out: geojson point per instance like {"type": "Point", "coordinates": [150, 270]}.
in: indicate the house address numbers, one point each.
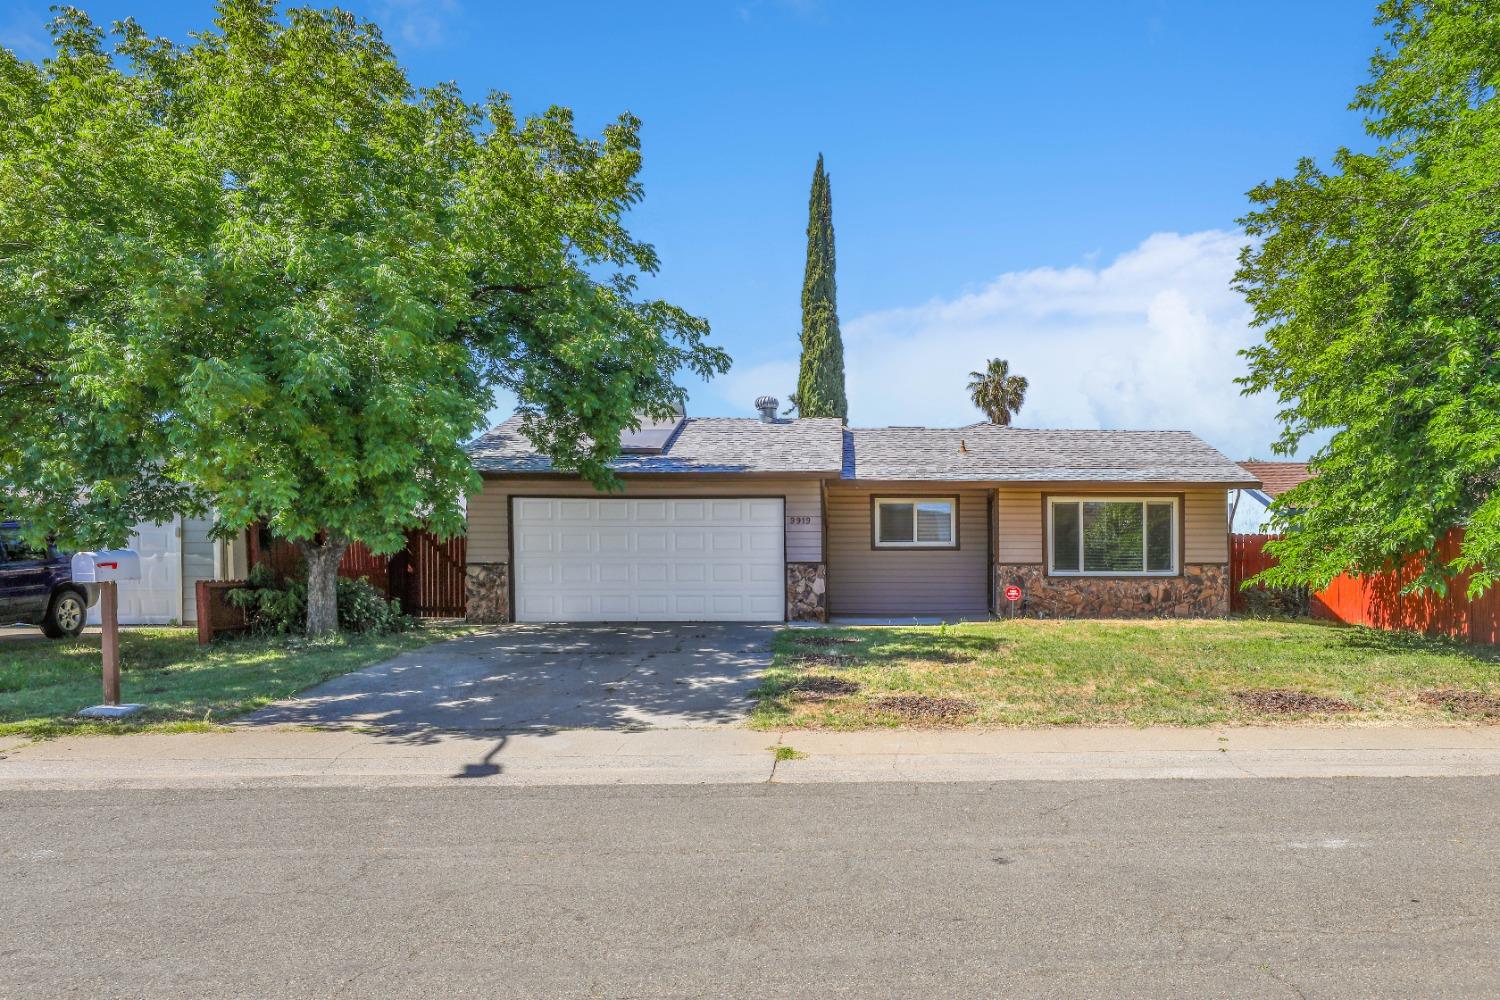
{"type": "Point", "coordinates": [799, 519]}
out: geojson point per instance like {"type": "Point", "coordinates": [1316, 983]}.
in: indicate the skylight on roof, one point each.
{"type": "Point", "coordinates": [653, 436]}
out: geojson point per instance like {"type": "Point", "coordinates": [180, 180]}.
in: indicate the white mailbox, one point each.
{"type": "Point", "coordinates": [106, 566]}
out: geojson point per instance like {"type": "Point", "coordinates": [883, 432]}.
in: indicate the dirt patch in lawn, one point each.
{"type": "Point", "coordinates": [823, 660]}
{"type": "Point", "coordinates": [815, 687]}
{"type": "Point", "coordinates": [1474, 703]}
{"type": "Point", "coordinates": [821, 640]}
{"type": "Point", "coordinates": [1279, 702]}
{"type": "Point", "coordinates": [924, 709]}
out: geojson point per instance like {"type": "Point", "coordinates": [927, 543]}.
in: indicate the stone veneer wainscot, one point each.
{"type": "Point", "coordinates": [806, 592]}
{"type": "Point", "coordinates": [1202, 591]}
{"type": "Point", "coordinates": [487, 593]}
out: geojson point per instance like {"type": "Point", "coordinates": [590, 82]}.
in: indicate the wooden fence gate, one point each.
{"type": "Point", "coordinates": [427, 577]}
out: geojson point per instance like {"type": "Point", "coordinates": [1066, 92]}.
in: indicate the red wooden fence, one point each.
{"type": "Point", "coordinates": [427, 577]}
{"type": "Point", "coordinates": [1247, 557]}
{"type": "Point", "coordinates": [1377, 600]}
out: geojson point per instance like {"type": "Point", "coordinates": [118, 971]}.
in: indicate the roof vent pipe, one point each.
{"type": "Point", "coordinates": [767, 405]}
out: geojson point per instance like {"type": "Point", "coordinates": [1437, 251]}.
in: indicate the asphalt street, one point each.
{"type": "Point", "coordinates": [1252, 888]}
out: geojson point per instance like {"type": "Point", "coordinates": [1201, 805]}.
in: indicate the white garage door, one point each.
{"type": "Point", "coordinates": [718, 559]}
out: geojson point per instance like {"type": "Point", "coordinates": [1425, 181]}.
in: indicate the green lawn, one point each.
{"type": "Point", "coordinates": [1190, 673]}
{"type": "Point", "coordinates": [43, 682]}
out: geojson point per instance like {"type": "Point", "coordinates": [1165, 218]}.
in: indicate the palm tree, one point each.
{"type": "Point", "coordinates": [997, 392]}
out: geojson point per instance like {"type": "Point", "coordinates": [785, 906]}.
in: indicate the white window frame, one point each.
{"type": "Point", "coordinates": [951, 543]}
{"type": "Point", "coordinates": [1054, 502]}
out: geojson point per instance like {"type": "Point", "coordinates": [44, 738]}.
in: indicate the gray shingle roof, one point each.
{"type": "Point", "coordinates": [1024, 454]}
{"type": "Point", "coordinates": [894, 454]}
{"type": "Point", "coordinates": [705, 444]}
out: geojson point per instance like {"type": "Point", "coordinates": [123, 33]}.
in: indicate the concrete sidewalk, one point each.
{"type": "Point", "coordinates": [730, 755]}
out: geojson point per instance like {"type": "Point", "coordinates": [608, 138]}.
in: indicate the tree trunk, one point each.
{"type": "Point", "coordinates": [322, 557]}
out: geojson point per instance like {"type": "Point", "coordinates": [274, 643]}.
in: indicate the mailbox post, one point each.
{"type": "Point", "coordinates": [106, 569]}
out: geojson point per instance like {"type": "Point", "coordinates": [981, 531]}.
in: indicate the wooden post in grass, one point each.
{"type": "Point", "coordinates": [109, 639]}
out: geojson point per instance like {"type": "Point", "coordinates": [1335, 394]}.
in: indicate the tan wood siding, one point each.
{"type": "Point", "coordinates": [489, 510]}
{"type": "Point", "coordinates": [1018, 515]}
{"type": "Point", "coordinates": [863, 580]}
{"type": "Point", "coordinates": [1018, 520]}
{"type": "Point", "coordinates": [1206, 526]}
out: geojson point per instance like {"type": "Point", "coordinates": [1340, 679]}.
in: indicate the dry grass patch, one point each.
{"type": "Point", "coordinates": [824, 660]}
{"type": "Point", "coordinates": [823, 685]}
{"type": "Point", "coordinates": [923, 709]}
{"type": "Point", "coordinates": [821, 640]}
{"type": "Point", "coordinates": [1474, 703]}
{"type": "Point", "coordinates": [1277, 702]}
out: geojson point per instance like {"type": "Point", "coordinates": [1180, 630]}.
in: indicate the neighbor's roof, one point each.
{"type": "Point", "coordinates": [705, 444]}
{"type": "Point", "coordinates": [1277, 477]}
{"type": "Point", "coordinates": [982, 452]}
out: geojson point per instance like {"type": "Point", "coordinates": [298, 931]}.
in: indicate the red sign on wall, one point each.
{"type": "Point", "coordinates": [1012, 593]}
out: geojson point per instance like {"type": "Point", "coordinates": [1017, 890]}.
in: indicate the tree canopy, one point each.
{"type": "Point", "coordinates": [820, 381]}
{"type": "Point", "coordinates": [997, 392]}
{"type": "Point", "coordinates": [1378, 284]}
{"type": "Point", "coordinates": [260, 272]}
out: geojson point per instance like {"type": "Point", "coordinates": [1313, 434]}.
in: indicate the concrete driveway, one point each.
{"type": "Point", "coordinates": [546, 677]}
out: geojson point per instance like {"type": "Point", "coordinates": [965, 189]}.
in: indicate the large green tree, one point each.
{"type": "Point", "coordinates": [261, 273]}
{"type": "Point", "coordinates": [1378, 284]}
{"type": "Point", "coordinates": [820, 381]}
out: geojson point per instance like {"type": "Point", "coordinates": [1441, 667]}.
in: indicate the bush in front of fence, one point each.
{"type": "Point", "coordinates": [1276, 602]}
{"type": "Point", "coordinates": [278, 606]}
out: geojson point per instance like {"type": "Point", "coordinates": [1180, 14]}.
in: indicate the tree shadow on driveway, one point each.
{"type": "Point", "coordinates": [544, 678]}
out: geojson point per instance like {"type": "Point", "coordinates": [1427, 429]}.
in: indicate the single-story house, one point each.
{"type": "Point", "coordinates": [1249, 507]}
{"type": "Point", "coordinates": [765, 519]}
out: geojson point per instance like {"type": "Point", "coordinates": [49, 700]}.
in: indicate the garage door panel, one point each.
{"type": "Point", "coordinates": [688, 511]}
{"type": "Point", "coordinates": [689, 540]}
{"type": "Point", "coordinates": [726, 541]}
{"type": "Point", "coordinates": [614, 540]}
{"type": "Point", "coordinates": [614, 605]}
{"type": "Point", "coordinates": [646, 510]}
{"type": "Point", "coordinates": [643, 560]}
{"type": "Point", "coordinates": [534, 541]}
{"type": "Point", "coordinates": [533, 511]}
{"type": "Point", "coordinates": [574, 573]}
{"type": "Point", "coordinates": [764, 512]}
{"type": "Point", "coordinates": [693, 572]}
{"type": "Point", "coordinates": [533, 573]}
{"type": "Point", "coordinates": [765, 573]}
{"type": "Point", "coordinates": [614, 512]}
{"type": "Point", "coordinates": [614, 572]}
{"type": "Point", "coordinates": [576, 510]}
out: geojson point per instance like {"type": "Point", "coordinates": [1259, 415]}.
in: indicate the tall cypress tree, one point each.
{"type": "Point", "coordinates": [820, 383]}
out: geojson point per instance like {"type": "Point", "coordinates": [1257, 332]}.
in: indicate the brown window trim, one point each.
{"type": "Point", "coordinates": [1182, 563]}
{"type": "Point", "coordinates": [875, 545]}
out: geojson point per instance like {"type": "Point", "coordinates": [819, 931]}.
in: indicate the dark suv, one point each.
{"type": "Point", "coordinates": [36, 586]}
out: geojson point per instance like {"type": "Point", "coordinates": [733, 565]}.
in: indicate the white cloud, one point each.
{"type": "Point", "coordinates": [418, 23]}
{"type": "Point", "coordinates": [1146, 341]}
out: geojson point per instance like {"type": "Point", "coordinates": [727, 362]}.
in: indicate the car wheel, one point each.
{"type": "Point", "coordinates": [65, 616]}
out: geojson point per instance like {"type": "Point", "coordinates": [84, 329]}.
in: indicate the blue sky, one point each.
{"type": "Point", "coordinates": [1056, 184]}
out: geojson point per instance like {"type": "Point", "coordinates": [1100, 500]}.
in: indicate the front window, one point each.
{"type": "Point", "coordinates": [916, 523]}
{"type": "Point", "coordinates": [1113, 537]}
